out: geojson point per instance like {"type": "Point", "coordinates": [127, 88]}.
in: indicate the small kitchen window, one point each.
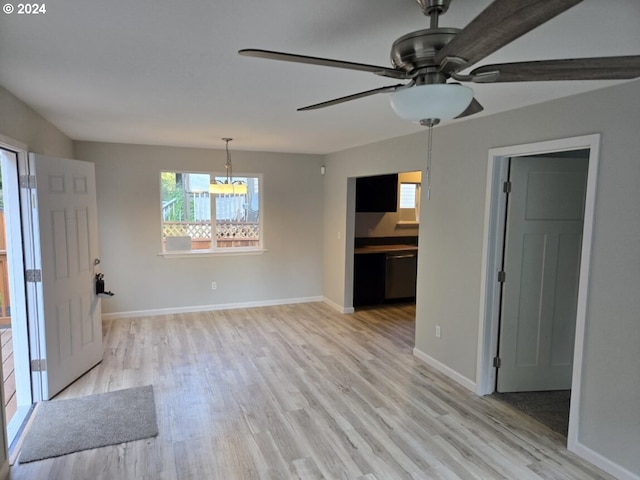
{"type": "Point", "coordinates": [195, 221]}
{"type": "Point", "coordinates": [409, 203]}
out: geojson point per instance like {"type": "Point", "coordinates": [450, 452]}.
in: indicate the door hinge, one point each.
{"type": "Point", "coordinates": [33, 276]}
{"type": "Point", "coordinates": [502, 276]}
{"type": "Point", "coordinates": [27, 181]}
{"type": "Point", "coordinates": [497, 362]}
{"type": "Point", "coordinates": [38, 365]}
{"type": "Point", "coordinates": [506, 187]}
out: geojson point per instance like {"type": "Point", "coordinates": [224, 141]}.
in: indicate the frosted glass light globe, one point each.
{"type": "Point", "coordinates": [432, 101]}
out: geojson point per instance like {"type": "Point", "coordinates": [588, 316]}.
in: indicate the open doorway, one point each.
{"type": "Point", "coordinates": [494, 245]}
{"type": "Point", "coordinates": [14, 329]}
{"type": "Point", "coordinates": [385, 239]}
{"type": "Point", "coordinates": [539, 283]}
{"type": "Point", "coordinates": [53, 261]}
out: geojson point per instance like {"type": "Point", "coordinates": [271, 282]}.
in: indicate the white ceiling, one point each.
{"type": "Point", "coordinates": [167, 72]}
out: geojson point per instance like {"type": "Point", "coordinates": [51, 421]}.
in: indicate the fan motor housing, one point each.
{"type": "Point", "coordinates": [418, 49]}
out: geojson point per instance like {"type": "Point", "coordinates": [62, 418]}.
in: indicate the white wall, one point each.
{"type": "Point", "coordinates": [128, 179]}
{"type": "Point", "coordinates": [449, 271]}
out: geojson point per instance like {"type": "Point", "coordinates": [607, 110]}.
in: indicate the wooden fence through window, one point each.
{"type": "Point", "coordinates": [5, 308]}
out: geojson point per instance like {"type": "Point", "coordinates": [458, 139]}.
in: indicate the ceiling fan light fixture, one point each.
{"type": "Point", "coordinates": [431, 102]}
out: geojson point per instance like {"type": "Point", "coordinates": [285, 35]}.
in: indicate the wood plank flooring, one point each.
{"type": "Point", "coordinates": [302, 392]}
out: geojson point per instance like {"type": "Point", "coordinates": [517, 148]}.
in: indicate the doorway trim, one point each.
{"type": "Point", "coordinates": [493, 239]}
{"type": "Point", "coordinates": [20, 329]}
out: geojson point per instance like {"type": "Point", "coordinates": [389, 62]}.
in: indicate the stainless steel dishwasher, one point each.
{"type": "Point", "coordinates": [400, 275]}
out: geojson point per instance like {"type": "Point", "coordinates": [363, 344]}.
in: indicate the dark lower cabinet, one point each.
{"type": "Point", "coordinates": [368, 279]}
{"type": "Point", "coordinates": [384, 277]}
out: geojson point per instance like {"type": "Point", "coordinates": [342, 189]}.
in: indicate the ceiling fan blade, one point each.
{"type": "Point", "coordinates": [324, 62]}
{"type": "Point", "coordinates": [596, 68]}
{"type": "Point", "coordinates": [355, 96]}
{"type": "Point", "coordinates": [499, 24]}
{"type": "Point", "coordinates": [473, 108]}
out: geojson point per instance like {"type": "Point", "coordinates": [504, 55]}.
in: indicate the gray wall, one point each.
{"type": "Point", "coordinates": [339, 204]}
{"type": "Point", "coordinates": [19, 122]}
{"type": "Point", "coordinates": [128, 179]}
{"type": "Point", "coordinates": [449, 271]}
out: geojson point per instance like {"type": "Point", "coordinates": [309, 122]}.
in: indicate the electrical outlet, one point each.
{"type": "Point", "coordinates": [214, 285]}
{"type": "Point", "coordinates": [438, 331]}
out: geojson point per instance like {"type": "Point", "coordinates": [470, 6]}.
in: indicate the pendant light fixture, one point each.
{"type": "Point", "coordinates": [229, 186]}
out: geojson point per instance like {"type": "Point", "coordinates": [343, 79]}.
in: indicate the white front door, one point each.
{"type": "Point", "coordinates": [542, 262]}
{"type": "Point", "coordinates": [64, 233]}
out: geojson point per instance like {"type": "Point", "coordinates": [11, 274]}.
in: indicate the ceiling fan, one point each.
{"type": "Point", "coordinates": [429, 58]}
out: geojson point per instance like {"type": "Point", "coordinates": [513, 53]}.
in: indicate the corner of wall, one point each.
{"type": "Point", "coordinates": [337, 307]}
{"type": "Point", "coordinates": [442, 368]}
{"type": "Point", "coordinates": [601, 461]}
{"type": "Point", "coordinates": [5, 470]}
{"type": "Point", "coordinates": [20, 122]}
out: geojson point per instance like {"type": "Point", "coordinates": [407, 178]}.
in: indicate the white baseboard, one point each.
{"type": "Point", "coordinates": [442, 368]}
{"type": "Point", "coordinates": [337, 307]}
{"type": "Point", "coordinates": [208, 308]}
{"type": "Point", "coordinates": [602, 462]}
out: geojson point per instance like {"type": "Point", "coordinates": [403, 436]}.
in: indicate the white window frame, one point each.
{"type": "Point", "coordinates": [216, 251]}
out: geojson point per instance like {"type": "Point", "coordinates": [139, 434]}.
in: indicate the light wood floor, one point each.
{"type": "Point", "coordinates": [302, 392]}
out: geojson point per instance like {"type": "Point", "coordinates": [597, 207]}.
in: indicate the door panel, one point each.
{"type": "Point", "coordinates": [542, 259]}
{"type": "Point", "coordinates": [65, 227]}
{"type": "Point", "coordinates": [569, 249]}
{"type": "Point", "coordinates": [533, 251]}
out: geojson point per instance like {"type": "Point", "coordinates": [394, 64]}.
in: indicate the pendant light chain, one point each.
{"type": "Point", "coordinates": [229, 186]}
{"type": "Point", "coordinates": [227, 165]}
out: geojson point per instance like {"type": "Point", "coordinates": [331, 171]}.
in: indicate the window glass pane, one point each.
{"type": "Point", "coordinates": [195, 219]}
{"type": "Point", "coordinates": [408, 195]}
{"type": "Point", "coordinates": [238, 214]}
{"type": "Point", "coordinates": [186, 211]}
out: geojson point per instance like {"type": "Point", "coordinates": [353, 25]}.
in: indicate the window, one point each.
{"type": "Point", "coordinates": [408, 195]}
{"type": "Point", "coordinates": [194, 220]}
{"type": "Point", "coordinates": [409, 202]}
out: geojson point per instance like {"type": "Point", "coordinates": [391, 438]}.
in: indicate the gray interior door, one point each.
{"type": "Point", "coordinates": [542, 260]}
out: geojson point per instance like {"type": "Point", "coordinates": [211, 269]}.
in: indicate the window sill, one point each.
{"type": "Point", "coordinates": [407, 224]}
{"type": "Point", "coordinates": [213, 253]}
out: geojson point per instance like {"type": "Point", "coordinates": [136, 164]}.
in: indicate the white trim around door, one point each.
{"type": "Point", "coordinates": [495, 210]}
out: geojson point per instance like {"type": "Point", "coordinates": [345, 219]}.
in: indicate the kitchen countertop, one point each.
{"type": "Point", "coordinates": [385, 249]}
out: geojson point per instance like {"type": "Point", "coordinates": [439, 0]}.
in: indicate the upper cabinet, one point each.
{"type": "Point", "coordinates": [377, 194]}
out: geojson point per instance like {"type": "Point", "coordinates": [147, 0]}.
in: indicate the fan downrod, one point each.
{"type": "Point", "coordinates": [433, 9]}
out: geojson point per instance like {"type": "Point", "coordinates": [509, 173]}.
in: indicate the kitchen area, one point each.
{"type": "Point", "coordinates": [386, 238]}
